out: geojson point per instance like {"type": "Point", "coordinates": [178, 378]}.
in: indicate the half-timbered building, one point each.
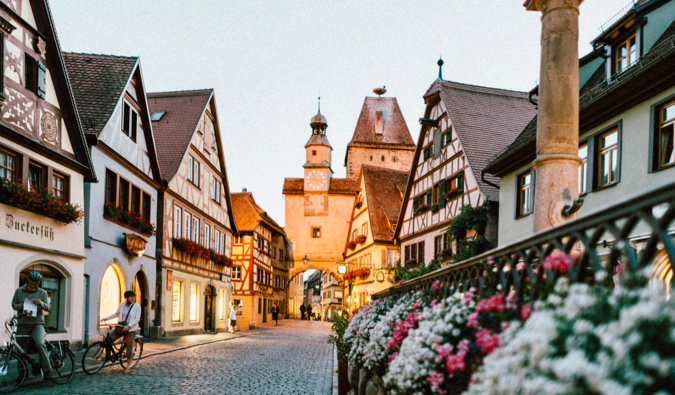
{"type": "Point", "coordinates": [462, 128]}
{"type": "Point", "coordinates": [43, 157]}
{"type": "Point", "coordinates": [260, 268]}
{"type": "Point", "coordinates": [195, 211]}
{"type": "Point", "coordinates": [371, 250]}
{"type": "Point", "coordinates": [122, 210]}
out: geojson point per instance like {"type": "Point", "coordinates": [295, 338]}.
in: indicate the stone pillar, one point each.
{"type": "Point", "coordinates": [557, 163]}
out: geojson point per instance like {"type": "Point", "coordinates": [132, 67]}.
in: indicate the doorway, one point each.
{"type": "Point", "coordinates": [208, 308]}
{"type": "Point", "coordinates": [139, 286]}
{"type": "Point", "coordinates": [264, 310]}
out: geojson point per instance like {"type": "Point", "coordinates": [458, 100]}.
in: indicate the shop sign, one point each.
{"type": "Point", "coordinates": [134, 244]}
{"type": "Point", "coordinates": [18, 226]}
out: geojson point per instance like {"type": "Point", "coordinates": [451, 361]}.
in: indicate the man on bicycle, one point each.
{"type": "Point", "coordinates": [30, 301]}
{"type": "Point", "coordinates": [129, 315]}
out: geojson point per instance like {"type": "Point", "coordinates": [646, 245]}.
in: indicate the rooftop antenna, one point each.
{"type": "Point", "coordinates": [440, 68]}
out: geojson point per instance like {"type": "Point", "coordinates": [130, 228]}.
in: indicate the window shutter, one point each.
{"type": "Point", "coordinates": [460, 183]}
{"type": "Point", "coordinates": [416, 203]}
{"type": "Point", "coordinates": [532, 184]}
{"type": "Point", "coordinates": [618, 153]}
{"type": "Point", "coordinates": [441, 189]}
{"type": "Point", "coordinates": [41, 79]}
{"type": "Point", "coordinates": [437, 143]}
{"type": "Point", "coordinates": [134, 125]}
{"type": "Point", "coordinates": [428, 198]}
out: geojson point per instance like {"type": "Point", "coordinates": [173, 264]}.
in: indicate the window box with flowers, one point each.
{"type": "Point", "coordinates": [361, 239]}
{"type": "Point", "coordinates": [194, 250]}
{"type": "Point", "coordinates": [411, 262]}
{"type": "Point", "coordinates": [437, 206]}
{"type": "Point", "coordinates": [128, 218]}
{"type": "Point", "coordinates": [39, 201]}
{"type": "Point", "coordinates": [351, 245]}
{"type": "Point", "coordinates": [421, 209]}
{"type": "Point", "coordinates": [352, 275]}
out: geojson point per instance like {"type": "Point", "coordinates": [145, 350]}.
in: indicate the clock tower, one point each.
{"type": "Point", "coordinates": [318, 172]}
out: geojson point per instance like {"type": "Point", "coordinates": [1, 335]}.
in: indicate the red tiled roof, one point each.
{"type": "Point", "coordinates": [247, 213]}
{"type": "Point", "coordinates": [174, 130]}
{"type": "Point", "coordinates": [338, 186]}
{"type": "Point", "coordinates": [486, 120]}
{"type": "Point", "coordinates": [318, 139]}
{"type": "Point", "coordinates": [395, 134]}
{"type": "Point", "coordinates": [383, 191]}
{"type": "Point", "coordinates": [97, 82]}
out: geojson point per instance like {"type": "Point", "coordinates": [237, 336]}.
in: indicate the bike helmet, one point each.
{"type": "Point", "coordinates": [35, 276]}
{"type": "Point", "coordinates": [129, 293]}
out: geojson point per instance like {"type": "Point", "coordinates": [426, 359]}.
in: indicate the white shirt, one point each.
{"type": "Point", "coordinates": [233, 313]}
{"type": "Point", "coordinates": [130, 314]}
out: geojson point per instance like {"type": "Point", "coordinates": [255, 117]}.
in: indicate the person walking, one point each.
{"type": "Point", "coordinates": [275, 314]}
{"type": "Point", "coordinates": [129, 315]}
{"type": "Point", "coordinates": [303, 309]}
{"type": "Point", "coordinates": [30, 302]}
{"type": "Point", "coordinates": [309, 311]}
{"type": "Point", "coordinates": [233, 317]}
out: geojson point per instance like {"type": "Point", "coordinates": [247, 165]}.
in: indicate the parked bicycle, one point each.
{"type": "Point", "coordinates": [14, 360]}
{"type": "Point", "coordinates": [105, 350]}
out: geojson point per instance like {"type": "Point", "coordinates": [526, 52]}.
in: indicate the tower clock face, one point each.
{"type": "Point", "coordinates": [315, 179]}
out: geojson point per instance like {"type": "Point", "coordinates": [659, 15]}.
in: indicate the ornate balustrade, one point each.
{"type": "Point", "coordinates": [608, 233]}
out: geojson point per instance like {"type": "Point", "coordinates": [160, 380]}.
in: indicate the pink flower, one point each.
{"type": "Point", "coordinates": [490, 261]}
{"type": "Point", "coordinates": [436, 380]}
{"type": "Point", "coordinates": [436, 285]}
{"type": "Point", "coordinates": [454, 362]}
{"type": "Point", "coordinates": [620, 267]}
{"type": "Point", "coordinates": [463, 347]}
{"type": "Point", "coordinates": [525, 311]}
{"type": "Point", "coordinates": [473, 320]}
{"type": "Point", "coordinates": [468, 296]}
{"type": "Point", "coordinates": [520, 266]}
{"type": "Point", "coordinates": [442, 352]}
{"type": "Point", "coordinates": [391, 359]}
{"type": "Point", "coordinates": [487, 341]}
{"type": "Point", "coordinates": [416, 305]}
{"type": "Point", "coordinates": [558, 261]}
{"type": "Point", "coordinates": [391, 280]}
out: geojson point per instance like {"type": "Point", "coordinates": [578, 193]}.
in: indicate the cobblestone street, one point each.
{"type": "Point", "coordinates": [292, 358]}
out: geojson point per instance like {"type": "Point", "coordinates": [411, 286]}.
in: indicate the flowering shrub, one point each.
{"type": "Point", "coordinates": [194, 250]}
{"type": "Point", "coordinates": [360, 328]}
{"type": "Point", "coordinates": [39, 201]}
{"type": "Point", "coordinates": [129, 218]}
{"type": "Point", "coordinates": [588, 339]}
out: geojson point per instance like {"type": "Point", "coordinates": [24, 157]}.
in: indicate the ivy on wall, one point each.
{"type": "Point", "coordinates": [470, 219]}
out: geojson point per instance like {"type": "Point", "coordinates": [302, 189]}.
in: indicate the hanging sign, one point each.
{"type": "Point", "coordinates": [134, 244]}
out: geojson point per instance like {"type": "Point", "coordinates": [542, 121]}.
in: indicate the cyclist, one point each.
{"type": "Point", "coordinates": [128, 314]}
{"type": "Point", "coordinates": [31, 301]}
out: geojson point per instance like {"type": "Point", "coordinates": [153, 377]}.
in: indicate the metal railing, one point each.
{"type": "Point", "coordinates": [618, 16]}
{"type": "Point", "coordinates": [607, 234]}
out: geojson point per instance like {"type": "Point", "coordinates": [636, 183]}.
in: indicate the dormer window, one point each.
{"type": "Point", "coordinates": [625, 54]}
{"type": "Point", "coordinates": [157, 116]}
{"type": "Point", "coordinates": [129, 121]}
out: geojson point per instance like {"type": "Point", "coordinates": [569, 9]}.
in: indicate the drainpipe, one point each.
{"type": "Point", "coordinates": [482, 177]}
{"type": "Point", "coordinates": [159, 252]}
{"type": "Point", "coordinates": [557, 163]}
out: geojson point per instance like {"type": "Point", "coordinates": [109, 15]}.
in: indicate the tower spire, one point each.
{"type": "Point", "coordinates": [440, 68]}
{"type": "Point", "coordinates": [319, 104]}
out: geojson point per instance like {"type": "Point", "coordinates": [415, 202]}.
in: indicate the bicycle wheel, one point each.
{"type": "Point", "coordinates": [138, 351]}
{"type": "Point", "coordinates": [63, 365]}
{"type": "Point", "coordinates": [13, 372]}
{"type": "Point", "coordinates": [94, 358]}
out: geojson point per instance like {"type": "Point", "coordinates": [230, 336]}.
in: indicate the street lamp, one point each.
{"type": "Point", "coordinates": [305, 260]}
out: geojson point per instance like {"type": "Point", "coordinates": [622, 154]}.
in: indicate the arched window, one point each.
{"type": "Point", "coordinates": [111, 291]}
{"type": "Point", "coordinates": [53, 282]}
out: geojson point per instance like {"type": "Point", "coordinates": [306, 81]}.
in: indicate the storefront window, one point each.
{"type": "Point", "coordinates": [111, 292]}
{"type": "Point", "coordinates": [221, 305]}
{"type": "Point", "coordinates": [177, 300]}
{"type": "Point", "coordinates": [53, 283]}
{"type": "Point", "coordinates": [194, 301]}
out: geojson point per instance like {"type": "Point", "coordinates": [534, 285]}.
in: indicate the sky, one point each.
{"type": "Point", "coordinates": [268, 61]}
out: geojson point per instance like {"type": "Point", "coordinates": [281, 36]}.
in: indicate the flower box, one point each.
{"type": "Point", "coordinates": [127, 218]}
{"type": "Point", "coordinates": [421, 209]}
{"type": "Point", "coordinates": [411, 262]}
{"type": "Point", "coordinates": [361, 239]}
{"type": "Point", "coordinates": [437, 206]}
{"type": "Point", "coordinates": [39, 201]}
{"type": "Point", "coordinates": [351, 245]}
{"type": "Point", "coordinates": [194, 250]}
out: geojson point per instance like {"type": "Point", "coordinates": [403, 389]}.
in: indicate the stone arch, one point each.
{"type": "Point", "coordinates": [330, 268]}
{"type": "Point", "coordinates": [60, 290]}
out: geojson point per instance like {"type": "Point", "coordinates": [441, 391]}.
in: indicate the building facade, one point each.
{"type": "Point", "coordinates": [331, 297]}
{"type": "Point", "coordinates": [371, 250]}
{"type": "Point", "coordinates": [462, 128]}
{"type": "Point", "coordinates": [43, 155]}
{"type": "Point", "coordinates": [119, 238]}
{"type": "Point", "coordinates": [260, 267]}
{"type": "Point", "coordinates": [194, 265]}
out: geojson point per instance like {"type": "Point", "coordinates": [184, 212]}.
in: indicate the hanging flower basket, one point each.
{"type": "Point", "coordinates": [39, 201]}
{"type": "Point", "coordinates": [361, 239]}
{"type": "Point", "coordinates": [128, 218]}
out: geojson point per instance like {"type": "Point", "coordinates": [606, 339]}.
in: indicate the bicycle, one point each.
{"type": "Point", "coordinates": [104, 350]}
{"type": "Point", "coordinates": [14, 360]}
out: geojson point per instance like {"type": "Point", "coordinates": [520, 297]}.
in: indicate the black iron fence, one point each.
{"type": "Point", "coordinates": [602, 241]}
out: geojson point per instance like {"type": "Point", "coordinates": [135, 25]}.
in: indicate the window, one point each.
{"type": "Point", "coordinates": [665, 139]}
{"type": "Point", "coordinates": [110, 300]}
{"type": "Point", "coordinates": [123, 198]}
{"type": "Point", "coordinates": [129, 121]}
{"type": "Point", "coordinates": [354, 234]}
{"type": "Point", "coordinates": [238, 240]}
{"type": "Point", "coordinates": [59, 186]}
{"type": "Point", "coordinates": [177, 301]}
{"type": "Point", "coordinates": [216, 241]}
{"type": "Point", "coordinates": [207, 236]}
{"type": "Point", "coordinates": [420, 253]}
{"type": "Point", "coordinates": [147, 205]}
{"type": "Point", "coordinates": [194, 301]}
{"type": "Point", "coordinates": [179, 223]}
{"type": "Point", "coordinates": [455, 186]}
{"type": "Point", "coordinates": [35, 76]}
{"type": "Point", "coordinates": [625, 54]}
{"type": "Point", "coordinates": [316, 232]}
{"type": "Point", "coordinates": [583, 168]}
{"type": "Point", "coordinates": [222, 243]}
{"type": "Point", "coordinates": [364, 229]}
{"type": "Point", "coordinates": [157, 115]}
{"type": "Point", "coordinates": [446, 241]}
{"type": "Point", "coordinates": [608, 158]}
{"type": "Point", "coordinates": [434, 194]}
{"type": "Point", "coordinates": [188, 225]}
{"type": "Point", "coordinates": [438, 246]}
{"type": "Point", "coordinates": [135, 199]}
{"type": "Point", "coordinates": [193, 170]}
{"type": "Point", "coordinates": [392, 257]}
{"type": "Point", "coordinates": [524, 200]}
{"type": "Point", "coordinates": [413, 252]}
{"type": "Point", "coordinates": [215, 190]}
{"type": "Point", "coordinates": [314, 152]}
{"type": "Point", "coordinates": [221, 305]}
{"type": "Point", "coordinates": [447, 136]}
{"type": "Point", "coordinates": [8, 165]}
{"type": "Point", "coordinates": [35, 176]}
{"type": "Point", "coordinates": [195, 230]}
{"type": "Point", "coordinates": [54, 283]}
{"type": "Point", "coordinates": [236, 272]}
{"type": "Point", "coordinates": [274, 252]}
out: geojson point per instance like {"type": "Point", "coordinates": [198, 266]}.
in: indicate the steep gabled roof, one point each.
{"type": "Point", "coordinates": [395, 133]}
{"type": "Point", "coordinates": [173, 132]}
{"type": "Point", "coordinates": [383, 191]}
{"type": "Point", "coordinates": [98, 81]}
{"type": "Point", "coordinates": [247, 213]}
{"type": "Point", "coordinates": [486, 121]}
{"type": "Point", "coordinates": [339, 186]}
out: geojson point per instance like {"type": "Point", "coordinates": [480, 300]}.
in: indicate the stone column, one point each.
{"type": "Point", "coordinates": [557, 162]}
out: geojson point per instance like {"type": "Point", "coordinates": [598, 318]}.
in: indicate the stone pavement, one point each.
{"type": "Point", "coordinates": [292, 358]}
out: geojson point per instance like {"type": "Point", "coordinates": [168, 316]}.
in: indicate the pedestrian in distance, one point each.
{"type": "Point", "coordinates": [309, 311]}
{"type": "Point", "coordinates": [275, 314]}
{"type": "Point", "coordinates": [31, 301]}
{"type": "Point", "coordinates": [303, 309]}
{"type": "Point", "coordinates": [129, 315]}
{"type": "Point", "coordinates": [233, 317]}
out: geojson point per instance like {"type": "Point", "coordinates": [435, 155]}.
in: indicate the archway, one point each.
{"type": "Point", "coordinates": [323, 291]}
{"type": "Point", "coordinates": [112, 291]}
{"type": "Point", "coordinates": [140, 286]}
{"type": "Point", "coordinates": [209, 295]}
{"type": "Point", "coordinates": [53, 281]}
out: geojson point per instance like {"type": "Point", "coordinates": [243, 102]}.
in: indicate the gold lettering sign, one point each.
{"type": "Point", "coordinates": [135, 245]}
